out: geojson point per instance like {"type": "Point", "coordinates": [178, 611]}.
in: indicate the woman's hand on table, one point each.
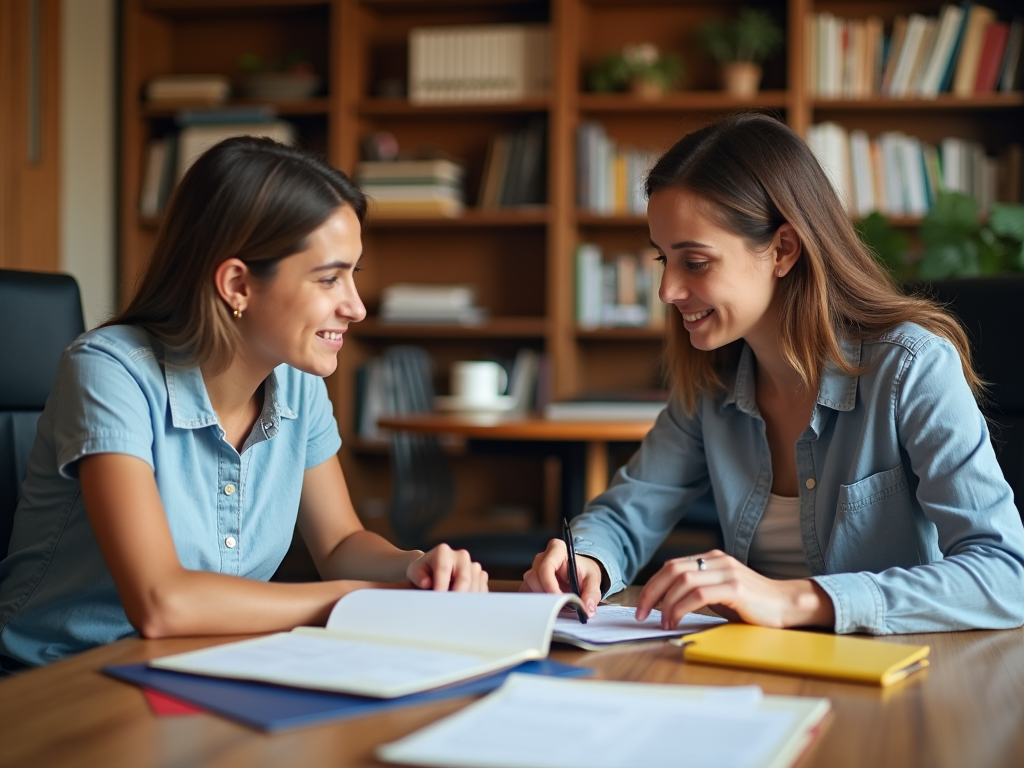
{"type": "Point", "coordinates": [444, 569]}
{"type": "Point", "coordinates": [550, 573]}
{"type": "Point", "coordinates": [734, 591]}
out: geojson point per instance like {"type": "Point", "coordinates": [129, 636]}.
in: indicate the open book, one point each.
{"type": "Point", "coordinates": [388, 643]}
{"type": "Point", "coordinates": [550, 723]}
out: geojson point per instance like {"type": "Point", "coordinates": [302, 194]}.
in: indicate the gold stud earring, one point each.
{"type": "Point", "coordinates": [238, 314]}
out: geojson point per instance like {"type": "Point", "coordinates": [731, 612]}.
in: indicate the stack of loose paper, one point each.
{"type": "Point", "coordinates": [542, 723]}
{"type": "Point", "coordinates": [617, 624]}
{"type": "Point", "coordinates": [442, 304]}
{"type": "Point", "coordinates": [413, 188]}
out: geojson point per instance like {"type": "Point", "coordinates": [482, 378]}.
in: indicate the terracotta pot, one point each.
{"type": "Point", "coordinates": [741, 78]}
{"type": "Point", "coordinates": [646, 89]}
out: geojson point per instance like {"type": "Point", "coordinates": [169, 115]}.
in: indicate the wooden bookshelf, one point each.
{"type": "Point", "coordinates": [521, 261]}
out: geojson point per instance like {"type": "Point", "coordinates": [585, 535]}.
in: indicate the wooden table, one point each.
{"type": "Point", "coordinates": [593, 435]}
{"type": "Point", "coordinates": [966, 710]}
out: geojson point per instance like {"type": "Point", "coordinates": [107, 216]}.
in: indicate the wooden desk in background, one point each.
{"type": "Point", "coordinates": [965, 710]}
{"type": "Point", "coordinates": [593, 435]}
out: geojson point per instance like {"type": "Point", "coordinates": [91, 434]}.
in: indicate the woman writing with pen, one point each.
{"type": "Point", "coordinates": [834, 418]}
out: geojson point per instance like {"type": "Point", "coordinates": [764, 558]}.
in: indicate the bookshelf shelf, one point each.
{"type": "Point", "coordinates": [472, 218]}
{"type": "Point", "coordinates": [626, 221]}
{"type": "Point", "coordinates": [294, 108]}
{"type": "Point", "coordinates": [402, 108]}
{"type": "Point", "coordinates": [620, 334]}
{"type": "Point", "coordinates": [170, 6]}
{"type": "Point", "coordinates": [944, 102]}
{"type": "Point", "coordinates": [495, 328]}
{"type": "Point", "coordinates": [684, 101]}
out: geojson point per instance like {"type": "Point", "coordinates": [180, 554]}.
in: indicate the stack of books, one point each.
{"type": "Point", "coordinates": [610, 178]}
{"type": "Point", "coordinates": [515, 171]}
{"type": "Point", "coordinates": [413, 188]}
{"type": "Point", "coordinates": [187, 90]}
{"type": "Point", "coordinates": [169, 156]}
{"type": "Point", "coordinates": [619, 405]}
{"type": "Point", "coordinates": [900, 175]}
{"type": "Point", "coordinates": [964, 50]}
{"type": "Point", "coordinates": [621, 292]}
{"type": "Point", "coordinates": [435, 304]}
{"type": "Point", "coordinates": [492, 62]}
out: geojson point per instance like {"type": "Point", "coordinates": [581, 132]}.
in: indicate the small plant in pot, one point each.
{"type": "Point", "coordinates": [642, 69]}
{"type": "Point", "coordinates": [285, 80]}
{"type": "Point", "coordinates": [741, 46]}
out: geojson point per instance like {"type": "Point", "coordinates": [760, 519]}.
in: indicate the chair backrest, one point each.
{"type": "Point", "coordinates": [40, 314]}
{"type": "Point", "coordinates": [990, 308]}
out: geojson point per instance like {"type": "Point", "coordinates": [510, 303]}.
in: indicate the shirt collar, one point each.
{"type": "Point", "coordinates": [190, 403]}
{"type": "Point", "coordinates": [837, 389]}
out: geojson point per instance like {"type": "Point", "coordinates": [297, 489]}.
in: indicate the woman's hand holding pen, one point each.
{"type": "Point", "coordinates": [731, 589]}
{"type": "Point", "coordinates": [443, 569]}
{"type": "Point", "coordinates": [550, 573]}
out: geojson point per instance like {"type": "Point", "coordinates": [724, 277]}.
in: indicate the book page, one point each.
{"type": "Point", "coordinates": [325, 662]}
{"type": "Point", "coordinates": [493, 623]}
{"type": "Point", "coordinates": [608, 725]}
{"type": "Point", "coordinates": [618, 624]}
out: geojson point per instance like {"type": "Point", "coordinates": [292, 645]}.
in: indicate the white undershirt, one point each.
{"type": "Point", "coordinates": [777, 549]}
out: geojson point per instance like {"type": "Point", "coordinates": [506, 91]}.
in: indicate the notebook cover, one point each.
{"type": "Point", "coordinates": [273, 708]}
{"type": "Point", "coordinates": [806, 653]}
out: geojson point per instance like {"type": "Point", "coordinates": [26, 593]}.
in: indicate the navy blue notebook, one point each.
{"type": "Point", "coordinates": [273, 707]}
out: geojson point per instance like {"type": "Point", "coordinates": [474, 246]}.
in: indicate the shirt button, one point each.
{"type": "Point", "coordinates": [229, 489]}
{"type": "Point", "coordinates": [230, 542]}
{"type": "Point", "coordinates": [810, 483]}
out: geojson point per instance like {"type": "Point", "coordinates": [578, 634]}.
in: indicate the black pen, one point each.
{"type": "Point", "coordinates": [573, 578]}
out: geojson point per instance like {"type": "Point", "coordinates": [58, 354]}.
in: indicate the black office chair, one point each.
{"type": "Point", "coordinates": [990, 310]}
{"type": "Point", "coordinates": [40, 314]}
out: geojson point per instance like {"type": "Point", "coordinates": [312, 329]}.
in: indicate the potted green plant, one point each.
{"type": "Point", "coordinates": [740, 48]}
{"type": "Point", "coordinates": [642, 69]}
{"type": "Point", "coordinates": [289, 79]}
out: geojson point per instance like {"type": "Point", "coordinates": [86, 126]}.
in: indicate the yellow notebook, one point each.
{"type": "Point", "coordinates": [807, 653]}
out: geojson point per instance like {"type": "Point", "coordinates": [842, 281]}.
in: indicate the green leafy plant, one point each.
{"type": "Point", "coordinates": [643, 62]}
{"type": "Point", "coordinates": [752, 37]}
{"type": "Point", "coordinates": [958, 244]}
{"type": "Point", "coordinates": [956, 241]}
{"type": "Point", "coordinates": [889, 244]}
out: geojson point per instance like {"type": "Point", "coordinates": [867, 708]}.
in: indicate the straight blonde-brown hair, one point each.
{"type": "Point", "coordinates": [247, 198]}
{"type": "Point", "coordinates": [755, 174]}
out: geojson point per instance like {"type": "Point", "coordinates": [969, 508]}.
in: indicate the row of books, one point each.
{"type": "Point", "coordinates": [964, 50]}
{"type": "Point", "coordinates": [900, 175]}
{"type": "Point", "coordinates": [515, 170]}
{"type": "Point", "coordinates": [609, 177]}
{"type": "Point", "coordinates": [478, 63]}
{"type": "Point", "coordinates": [618, 292]}
{"type": "Point", "coordinates": [169, 156]}
{"type": "Point", "coordinates": [412, 188]}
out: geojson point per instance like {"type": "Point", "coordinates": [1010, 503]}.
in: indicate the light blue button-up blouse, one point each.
{"type": "Point", "coordinates": [228, 512]}
{"type": "Point", "coordinates": [905, 517]}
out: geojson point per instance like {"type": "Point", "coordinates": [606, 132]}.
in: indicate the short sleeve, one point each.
{"type": "Point", "coordinates": [323, 440]}
{"type": "Point", "coordinates": [99, 407]}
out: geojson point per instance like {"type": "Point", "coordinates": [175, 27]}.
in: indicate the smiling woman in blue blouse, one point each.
{"type": "Point", "coordinates": [184, 439]}
{"type": "Point", "coordinates": [833, 417]}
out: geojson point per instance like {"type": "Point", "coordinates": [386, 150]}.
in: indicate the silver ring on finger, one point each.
{"type": "Point", "coordinates": [701, 564]}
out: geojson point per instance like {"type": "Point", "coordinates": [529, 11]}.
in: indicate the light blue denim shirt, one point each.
{"type": "Point", "coordinates": [906, 520]}
{"type": "Point", "coordinates": [228, 513]}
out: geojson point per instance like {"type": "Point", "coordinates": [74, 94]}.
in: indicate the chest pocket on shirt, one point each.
{"type": "Point", "coordinates": [874, 527]}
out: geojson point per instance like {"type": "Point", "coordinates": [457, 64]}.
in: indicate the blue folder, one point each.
{"type": "Point", "coordinates": [273, 707]}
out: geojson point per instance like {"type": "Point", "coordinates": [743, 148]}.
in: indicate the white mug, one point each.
{"type": "Point", "coordinates": [478, 382]}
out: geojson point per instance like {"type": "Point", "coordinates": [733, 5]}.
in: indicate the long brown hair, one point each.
{"type": "Point", "coordinates": [756, 174]}
{"type": "Point", "coordinates": [248, 198]}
